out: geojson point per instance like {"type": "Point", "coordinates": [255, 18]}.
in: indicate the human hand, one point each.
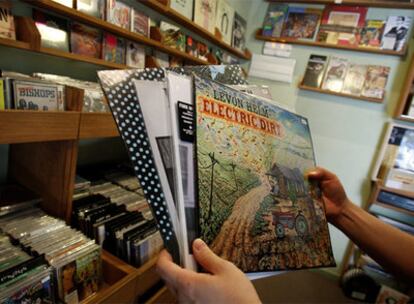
{"type": "Point", "coordinates": [333, 193]}
{"type": "Point", "coordinates": [224, 283]}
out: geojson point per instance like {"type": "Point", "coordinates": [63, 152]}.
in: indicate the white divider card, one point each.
{"type": "Point", "coordinates": [277, 49]}
{"type": "Point", "coordinates": [273, 68]}
{"type": "Point", "coordinates": [180, 90]}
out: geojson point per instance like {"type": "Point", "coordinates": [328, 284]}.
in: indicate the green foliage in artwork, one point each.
{"type": "Point", "coordinates": [260, 225]}
{"type": "Point", "coordinates": [230, 181]}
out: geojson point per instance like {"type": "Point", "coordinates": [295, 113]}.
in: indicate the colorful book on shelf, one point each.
{"type": "Point", "coordinates": [396, 33]}
{"type": "Point", "coordinates": [113, 49]}
{"type": "Point", "coordinates": [118, 13]}
{"type": "Point", "coordinates": [315, 71]}
{"type": "Point", "coordinates": [395, 164]}
{"type": "Point", "coordinates": [85, 40]}
{"type": "Point", "coordinates": [140, 23]}
{"type": "Point", "coordinates": [340, 24]}
{"type": "Point", "coordinates": [205, 14]}
{"type": "Point", "coordinates": [172, 36]}
{"type": "Point", "coordinates": [184, 7]}
{"type": "Point", "coordinates": [7, 27]}
{"type": "Point", "coordinates": [397, 200]}
{"type": "Point", "coordinates": [249, 191]}
{"type": "Point", "coordinates": [376, 81]}
{"type": "Point", "coordinates": [371, 33]}
{"type": "Point", "coordinates": [335, 74]}
{"type": "Point", "coordinates": [381, 210]}
{"type": "Point", "coordinates": [404, 227]}
{"type": "Point", "coordinates": [53, 30]}
{"type": "Point", "coordinates": [274, 20]}
{"type": "Point", "coordinates": [224, 20]}
{"type": "Point", "coordinates": [239, 32]}
{"type": "Point", "coordinates": [354, 79]}
{"type": "Point", "coordinates": [301, 23]}
{"type": "Point", "coordinates": [135, 55]}
{"type": "Point", "coordinates": [95, 8]}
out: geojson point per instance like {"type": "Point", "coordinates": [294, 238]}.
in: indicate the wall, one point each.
{"type": "Point", "coordinates": [346, 132]}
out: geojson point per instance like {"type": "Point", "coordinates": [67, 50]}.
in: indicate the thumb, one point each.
{"type": "Point", "coordinates": [207, 258]}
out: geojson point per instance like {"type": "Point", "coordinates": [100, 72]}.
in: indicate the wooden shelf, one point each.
{"type": "Point", "coordinates": [195, 28]}
{"type": "Point", "coordinates": [370, 3]}
{"type": "Point", "coordinates": [111, 28]}
{"type": "Point", "coordinates": [162, 296]}
{"type": "Point", "coordinates": [318, 90]}
{"type": "Point", "coordinates": [17, 126]}
{"type": "Point", "coordinates": [259, 36]}
{"type": "Point", "coordinates": [406, 95]}
{"type": "Point", "coordinates": [95, 125]}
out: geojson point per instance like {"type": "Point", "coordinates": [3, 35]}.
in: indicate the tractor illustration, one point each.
{"type": "Point", "coordinates": [292, 219]}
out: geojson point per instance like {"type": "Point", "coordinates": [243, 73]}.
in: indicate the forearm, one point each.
{"type": "Point", "coordinates": [390, 247]}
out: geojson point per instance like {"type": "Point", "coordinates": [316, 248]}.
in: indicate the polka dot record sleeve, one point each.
{"type": "Point", "coordinates": [119, 89]}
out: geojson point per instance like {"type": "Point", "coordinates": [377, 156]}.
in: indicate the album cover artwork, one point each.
{"type": "Point", "coordinates": [315, 71]}
{"type": "Point", "coordinates": [239, 32]}
{"type": "Point", "coordinates": [184, 7]}
{"type": "Point", "coordinates": [371, 33]}
{"type": "Point", "coordinates": [301, 23]}
{"type": "Point", "coordinates": [7, 29]}
{"type": "Point", "coordinates": [140, 23]}
{"type": "Point", "coordinates": [396, 33]}
{"type": "Point", "coordinates": [118, 13]}
{"type": "Point", "coordinates": [205, 14]}
{"type": "Point", "coordinates": [354, 79]}
{"type": "Point", "coordinates": [274, 20]}
{"type": "Point", "coordinates": [53, 30]}
{"type": "Point", "coordinates": [135, 55]}
{"type": "Point", "coordinates": [256, 209]}
{"type": "Point", "coordinates": [172, 36]}
{"type": "Point", "coordinates": [376, 81]}
{"type": "Point", "coordinates": [95, 8]}
{"type": "Point", "coordinates": [335, 74]}
{"type": "Point", "coordinates": [113, 49]}
{"type": "Point", "coordinates": [225, 20]}
{"type": "Point", "coordinates": [85, 40]}
{"type": "Point", "coordinates": [191, 46]}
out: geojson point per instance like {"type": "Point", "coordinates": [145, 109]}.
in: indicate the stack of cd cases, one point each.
{"type": "Point", "coordinates": [75, 260]}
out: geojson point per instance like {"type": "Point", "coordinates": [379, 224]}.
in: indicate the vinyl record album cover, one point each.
{"type": "Point", "coordinates": [274, 20]}
{"type": "Point", "coordinates": [140, 23]}
{"type": "Point", "coordinates": [172, 36]}
{"type": "Point", "coordinates": [118, 13]}
{"type": "Point", "coordinates": [371, 33]}
{"type": "Point", "coordinates": [191, 46]}
{"type": "Point", "coordinates": [224, 20]}
{"type": "Point", "coordinates": [205, 14]}
{"type": "Point", "coordinates": [396, 33]}
{"type": "Point", "coordinates": [93, 8]}
{"type": "Point", "coordinates": [376, 81]}
{"type": "Point", "coordinates": [184, 7]}
{"type": "Point", "coordinates": [335, 74]}
{"type": "Point", "coordinates": [301, 23]}
{"type": "Point", "coordinates": [113, 49]}
{"type": "Point", "coordinates": [85, 40]}
{"type": "Point", "coordinates": [354, 79]}
{"type": "Point", "coordinates": [7, 29]}
{"type": "Point", "coordinates": [255, 207]}
{"type": "Point", "coordinates": [239, 32]}
{"type": "Point", "coordinates": [53, 30]}
{"type": "Point", "coordinates": [315, 71]}
{"type": "Point", "coordinates": [135, 55]}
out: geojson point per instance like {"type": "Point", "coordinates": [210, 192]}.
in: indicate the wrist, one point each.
{"type": "Point", "coordinates": [346, 210]}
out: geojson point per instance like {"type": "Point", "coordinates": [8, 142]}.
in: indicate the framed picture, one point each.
{"type": "Point", "coordinates": [395, 164]}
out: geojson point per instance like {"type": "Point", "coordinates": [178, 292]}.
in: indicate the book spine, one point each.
{"type": "Point", "coordinates": [396, 200]}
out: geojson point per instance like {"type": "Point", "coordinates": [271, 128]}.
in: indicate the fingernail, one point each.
{"type": "Point", "coordinates": [198, 244]}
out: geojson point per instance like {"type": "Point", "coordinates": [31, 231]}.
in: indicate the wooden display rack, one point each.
{"type": "Point", "coordinates": [259, 36]}
{"type": "Point", "coordinates": [404, 101]}
{"type": "Point", "coordinates": [163, 7]}
{"type": "Point", "coordinates": [73, 14]}
{"type": "Point", "coordinates": [322, 91]}
{"type": "Point", "coordinates": [43, 157]}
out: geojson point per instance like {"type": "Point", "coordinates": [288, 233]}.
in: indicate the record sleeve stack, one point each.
{"type": "Point", "coordinates": [190, 138]}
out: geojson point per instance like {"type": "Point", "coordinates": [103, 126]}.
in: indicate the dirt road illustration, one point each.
{"type": "Point", "coordinates": [234, 242]}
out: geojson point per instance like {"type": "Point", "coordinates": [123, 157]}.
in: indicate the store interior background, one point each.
{"type": "Point", "coordinates": [346, 132]}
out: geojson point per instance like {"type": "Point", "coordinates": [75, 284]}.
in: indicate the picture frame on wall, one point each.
{"type": "Point", "coordinates": [395, 163]}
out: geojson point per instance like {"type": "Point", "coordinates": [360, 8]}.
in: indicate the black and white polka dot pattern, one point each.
{"type": "Point", "coordinates": [123, 101]}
